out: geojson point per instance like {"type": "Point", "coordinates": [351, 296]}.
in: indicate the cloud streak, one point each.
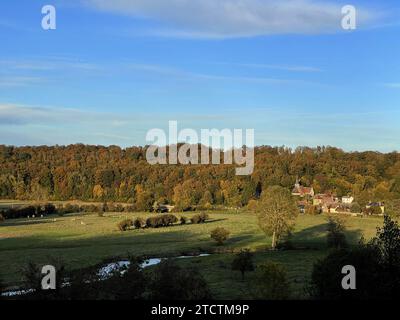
{"type": "Point", "coordinates": [178, 73]}
{"type": "Point", "coordinates": [19, 81]}
{"type": "Point", "coordinates": [235, 18]}
{"type": "Point", "coordinates": [393, 85]}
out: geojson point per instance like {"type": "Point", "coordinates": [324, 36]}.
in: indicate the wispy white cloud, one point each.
{"type": "Point", "coordinates": [280, 67]}
{"type": "Point", "coordinates": [17, 81]}
{"type": "Point", "coordinates": [394, 85]}
{"type": "Point", "coordinates": [179, 73]}
{"type": "Point", "coordinates": [12, 114]}
{"type": "Point", "coordinates": [46, 64]}
{"type": "Point", "coordinates": [236, 18]}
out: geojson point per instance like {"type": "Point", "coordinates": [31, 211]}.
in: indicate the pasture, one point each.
{"type": "Point", "coordinates": [83, 240]}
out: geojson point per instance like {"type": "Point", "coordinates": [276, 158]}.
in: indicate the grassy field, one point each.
{"type": "Point", "coordinates": [86, 240]}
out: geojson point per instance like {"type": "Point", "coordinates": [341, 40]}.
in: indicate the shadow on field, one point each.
{"type": "Point", "coordinates": [215, 220]}
{"type": "Point", "coordinates": [134, 242]}
{"type": "Point", "coordinates": [315, 237]}
{"type": "Point", "coordinates": [18, 222]}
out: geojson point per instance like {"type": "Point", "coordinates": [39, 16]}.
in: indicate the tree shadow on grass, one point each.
{"type": "Point", "coordinates": [215, 220]}
{"type": "Point", "coordinates": [23, 222]}
{"type": "Point", "coordinates": [314, 237]}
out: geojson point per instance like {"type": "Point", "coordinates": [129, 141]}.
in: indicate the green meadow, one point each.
{"type": "Point", "coordinates": [84, 240]}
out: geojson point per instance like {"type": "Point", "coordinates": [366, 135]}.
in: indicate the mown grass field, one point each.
{"type": "Point", "coordinates": [86, 240]}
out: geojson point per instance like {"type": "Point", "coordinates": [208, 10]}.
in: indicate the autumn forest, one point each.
{"type": "Point", "coordinates": [98, 173]}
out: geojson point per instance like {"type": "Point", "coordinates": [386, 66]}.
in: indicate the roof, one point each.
{"type": "Point", "coordinates": [302, 190]}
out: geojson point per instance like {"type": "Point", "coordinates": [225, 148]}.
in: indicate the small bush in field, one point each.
{"type": "Point", "coordinates": [100, 214]}
{"type": "Point", "coordinates": [125, 224]}
{"type": "Point", "coordinates": [199, 218]}
{"type": "Point", "coordinates": [139, 223]}
{"type": "Point", "coordinates": [195, 219]}
{"type": "Point", "coordinates": [203, 217]}
{"type": "Point", "coordinates": [220, 235]}
{"type": "Point", "coordinates": [152, 222]}
{"type": "Point", "coordinates": [161, 221]}
{"type": "Point", "coordinates": [169, 219]}
{"type": "Point", "coordinates": [183, 220]}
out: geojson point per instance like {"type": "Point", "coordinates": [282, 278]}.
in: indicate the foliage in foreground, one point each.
{"type": "Point", "coordinates": [167, 281]}
{"type": "Point", "coordinates": [271, 282]}
{"type": "Point", "coordinates": [171, 282]}
{"type": "Point", "coordinates": [377, 266]}
{"type": "Point", "coordinates": [243, 262]}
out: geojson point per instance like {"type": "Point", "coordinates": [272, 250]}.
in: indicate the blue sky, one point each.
{"type": "Point", "coordinates": [112, 70]}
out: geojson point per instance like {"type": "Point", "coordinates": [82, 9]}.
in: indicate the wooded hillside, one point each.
{"type": "Point", "coordinates": [115, 174]}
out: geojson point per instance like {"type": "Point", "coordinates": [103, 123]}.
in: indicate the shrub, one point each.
{"type": "Point", "coordinates": [336, 237]}
{"type": "Point", "coordinates": [271, 282]}
{"type": "Point", "coordinates": [392, 207]}
{"type": "Point", "coordinates": [32, 278]}
{"type": "Point", "coordinates": [139, 223]}
{"type": "Point", "coordinates": [375, 210]}
{"type": "Point", "coordinates": [125, 224]}
{"type": "Point", "coordinates": [153, 222]}
{"type": "Point", "coordinates": [252, 205]}
{"type": "Point", "coordinates": [183, 220]}
{"type": "Point", "coordinates": [195, 219]}
{"type": "Point", "coordinates": [355, 208]}
{"type": "Point", "coordinates": [2, 219]}
{"type": "Point", "coordinates": [49, 208]}
{"type": "Point", "coordinates": [171, 282]}
{"type": "Point", "coordinates": [100, 214]}
{"type": "Point", "coordinates": [71, 208]}
{"type": "Point", "coordinates": [243, 262]}
{"type": "Point", "coordinates": [377, 267]}
{"type": "Point", "coordinates": [203, 217]}
{"type": "Point", "coordinates": [220, 235]}
{"type": "Point", "coordinates": [199, 218]}
{"type": "Point", "coordinates": [161, 221]}
{"type": "Point", "coordinates": [313, 210]}
{"type": "Point", "coordinates": [169, 219]}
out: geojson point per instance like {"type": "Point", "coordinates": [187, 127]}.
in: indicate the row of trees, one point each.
{"type": "Point", "coordinates": [114, 174]}
{"type": "Point", "coordinates": [164, 220]}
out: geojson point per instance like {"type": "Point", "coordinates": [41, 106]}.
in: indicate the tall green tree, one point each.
{"type": "Point", "coordinates": [277, 212]}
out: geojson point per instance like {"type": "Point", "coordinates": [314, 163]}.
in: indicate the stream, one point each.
{"type": "Point", "coordinates": [107, 270]}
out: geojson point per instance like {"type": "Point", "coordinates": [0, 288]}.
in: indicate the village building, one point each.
{"type": "Point", "coordinates": [348, 200]}
{"type": "Point", "coordinates": [301, 191]}
{"type": "Point", "coordinates": [327, 202]}
{"type": "Point", "coordinates": [380, 205]}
